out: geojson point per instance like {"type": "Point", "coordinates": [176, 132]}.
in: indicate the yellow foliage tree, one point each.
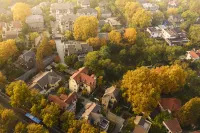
{"type": "Point", "coordinates": [130, 9]}
{"type": "Point", "coordinates": [141, 89]}
{"type": "Point", "coordinates": [85, 27]}
{"type": "Point", "coordinates": [21, 11]}
{"type": "Point", "coordinates": [121, 4]}
{"type": "Point", "coordinates": [114, 37]}
{"type": "Point", "coordinates": [94, 42]}
{"type": "Point", "coordinates": [130, 35]}
{"type": "Point", "coordinates": [172, 11]}
{"type": "Point", "coordinates": [98, 9]}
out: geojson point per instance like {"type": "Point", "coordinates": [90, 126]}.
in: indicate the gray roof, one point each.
{"type": "Point", "coordinates": [86, 11]}
{"type": "Point", "coordinates": [46, 78]}
{"type": "Point", "coordinates": [70, 17]}
{"type": "Point", "coordinates": [27, 55]}
{"type": "Point", "coordinates": [62, 6]}
{"type": "Point", "coordinates": [35, 18]}
{"type": "Point", "coordinates": [84, 2]}
{"type": "Point", "coordinates": [11, 34]}
{"type": "Point", "coordinates": [36, 10]}
{"type": "Point", "coordinates": [112, 91]}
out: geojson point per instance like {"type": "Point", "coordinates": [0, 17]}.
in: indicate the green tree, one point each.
{"type": "Point", "coordinates": [106, 28]}
{"type": "Point", "coordinates": [158, 18]}
{"type": "Point", "coordinates": [67, 119]}
{"type": "Point", "coordinates": [71, 60]}
{"type": "Point", "coordinates": [85, 27]}
{"type": "Point", "coordinates": [33, 35]}
{"type": "Point", "coordinates": [189, 17]}
{"type": "Point", "coordinates": [62, 90]}
{"type": "Point", "coordinates": [194, 33]}
{"type": "Point", "coordinates": [69, 35]}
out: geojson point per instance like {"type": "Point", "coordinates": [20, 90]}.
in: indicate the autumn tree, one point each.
{"type": "Point", "coordinates": [172, 78]}
{"type": "Point", "coordinates": [106, 28]}
{"type": "Point", "coordinates": [115, 37]}
{"type": "Point", "coordinates": [142, 18]}
{"type": "Point", "coordinates": [172, 11]}
{"type": "Point", "coordinates": [194, 6]}
{"type": "Point", "coordinates": [50, 115]}
{"type": "Point", "coordinates": [121, 4]}
{"type": "Point", "coordinates": [189, 17]}
{"type": "Point", "coordinates": [85, 27]}
{"type": "Point", "coordinates": [94, 42]}
{"type": "Point", "coordinates": [67, 119]}
{"type": "Point", "coordinates": [21, 11]}
{"type": "Point", "coordinates": [158, 18]}
{"type": "Point", "coordinates": [7, 50]}
{"type": "Point", "coordinates": [19, 94]}
{"type": "Point", "coordinates": [98, 9]}
{"type": "Point", "coordinates": [189, 114]}
{"type": "Point", "coordinates": [87, 128]}
{"type": "Point", "coordinates": [130, 9]}
{"type": "Point", "coordinates": [20, 128]}
{"type": "Point", "coordinates": [68, 35]}
{"type": "Point", "coordinates": [33, 36]}
{"type": "Point", "coordinates": [2, 80]}
{"type": "Point", "coordinates": [141, 89]}
{"type": "Point", "coordinates": [194, 33]}
{"type": "Point", "coordinates": [36, 128]}
{"type": "Point", "coordinates": [130, 35]}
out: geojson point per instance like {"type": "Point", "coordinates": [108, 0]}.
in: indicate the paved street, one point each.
{"type": "Point", "coordinates": [117, 120]}
{"type": "Point", "coordinates": [59, 46]}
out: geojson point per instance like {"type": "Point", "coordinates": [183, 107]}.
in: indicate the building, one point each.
{"type": "Point", "coordinates": [94, 117]}
{"type": "Point", "coordinates": [114, 23]}
{"type": "Point", "coordinates": [9, 35]}
{"type": "Point", "coordinates": [27, 59]}
{"type": "Point", "coordinates": [172, 126]}
{"type": "Point", "coordinates": [83, 3]}
{"type": "Point", "coordinates": [172, 4]}
{"type": "Point", "coordinates": [35, 22]}
{"type": "Point", "coordinates": [175, 36]}
{"type": "Point", "coordinates": [87, 12]}
{"type": "Point", "coordinates": [176, 20]}
{"type": "Point", "coordinates": [78, 48]}
{"type": "Point", "coordinates": [105, 13]}
{"type": "Point", "coordinates": [46, 82]}
{"type": "Point", "coordinates": [81, 80]}
{"type": "Point", "coordinates": [36, 10]}
{"type": "Point", "coordinates": [65, 102]}
{"type": "Point", "coordinates": [142, 125]}
{"type": "Point", "coordinates": [169, 104]}
{"type": "Point", "coordinates": [110, 97]}
{"type": "Point", "coordinates": [150, 7]}
{"type": "Point", "coordinates": [58, 9]}
{"type": "Point", "coordinates": [155, 32]}
{"type": "Point", "coordinates": [192, 55]}
{"type": "Point", "coordinates": [66, 22]}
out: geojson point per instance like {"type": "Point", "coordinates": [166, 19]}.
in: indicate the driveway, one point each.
{"type": "Point", "coordinates": [117, 120]}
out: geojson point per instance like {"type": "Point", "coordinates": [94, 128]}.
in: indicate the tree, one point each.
{"type": "Point", "coordinates": [67, 119]}
{"type": "Point", "coordinates": [62, 90]}
{"type": "Point", "coordinates": [2, 80]}
{"type": "Point", "coordinates": [142, 18]}
{"type": "Point", "coordinates": [20, 128]}
{"type": "Point", "coordinates": [21, 11]}
{"type": "Point", "coordinates": [50, 115]}
{"type": "Point", "coordinates": [141, 89]}
{"type": "Point", "coordinates": [194, 6]}
{"type": "Point", "coordinates": [71, 60]}
{"type": "Point", "coordinates": [172, 11]}
{"type": "Point", "coordinates": [194, 33]}
{"type": "Point", "coordinates": [87, 128]}
{"type": "Point", "coordinates": [121, 4]}
{"type": "Point", "coordinates": [36, 128]}
{"type": "Point", "coordinates": [114, 37]}
{"type": "Point", "coordinates": [189, 114]}
{"type": "Point", "coordinates": [7, 50]}
{"type": "Point", "coordinates": [130, 9]}
{"type": "Point", "coordinates": [85, 27]}
{"type": "Point", "coordinates": [94, 42]}
{"type": "Point", "coordinates": [158, 18]}
{"type": "Point", "coordinates": [172, 78]}
{"type": "Point", "coordinates": [69, 35]}
{"type": "Point", "coordinates": [106, 28]}
{"type": "Point", "coordinates": [33, 36]}
{"type": "Point", "coordinates": [19, 94]}
{"type": "Point", "coordinates": [98, 9]}
{"type": "Point", "coordinates": [129, 126]}
{"type": "Point", "coordinates": [189, 17]}
{"type": "Point", "coordinates": [130, 35]}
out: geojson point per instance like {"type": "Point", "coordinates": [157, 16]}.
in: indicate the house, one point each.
{"type": "Point", "coordinates": [5, 12]}
{"type": "Point", "coordinates": [172, 4]}
{"type": "Point", "coordinates": [105, 13]}
{"type": "Point", "coordinates": [36, 10]}
{"type": "Point", "coordinates": [176, 20]}
{"type": "Point", "coordinates": [44, 4]}
{"type": "Point", "coordinates": [9, 35]}
{"type": "Point", "coordinates": [142, 125]}
{"type": "Point", "coordinates": [46, 82]}
{"type": "Point", "coordinates": [103, 4]}
{"type": "Point", "coordinates": [77, 47]}
{"type": "Point", "coordinates": [150, 7]}
{"type": "Point", "coordinates": [172, 126]}
{"type": "Point", "coordinates": [155, 32]}
{"type": "Point", "coordinates": [15, 26]}
{"type": "Point", "coordinates": [65, 102]}
{"type": "Point", "coordinates": [87, 12]}
{"type": "Point", "coordinates": [35, 22]}
{"type": "Point", "coordinates": [94, 117]}
{"type": "Point", "coordinates": [27, 59]}
{"type": "Point", "coordinates": [81, 80]}
{"type": "Point", "coordinates": [170, 104]}
{"type": "Point", "coordinates": [83, 3]}
{"type": "Point", "coordinates": [175, 36]}
{"type": "Point", "coordinates": [110, 97]}
{"type": "Point", "coordinates": [192, 55]}
{"type": "Point", "coordinates": [114, 22]}
{"type": "Point", "coordinates": [58, 9]}
{"type": "Point", "coordinates": [66, 22]}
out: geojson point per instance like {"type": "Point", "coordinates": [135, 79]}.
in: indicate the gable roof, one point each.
{"type": "Point", "coordinates": [62, 6]}
{"type": "Point", "coordinates": [35, 18]}
{"type": "Point", "coordinates": [141, 121]}
{"type": "Point", "coordinates": [193, 54]}
{"type": "Point", "coordinates": [27, 55]}
{"type": "Point", "coordinates": [173, 125]}
{"type": "Point", "coordinates": [112, 91]}
{"type": "Point", "coordinates": [69, 17]}
{"type": "Point", "coordinates": [171, 104]}
{"type": "Point", "coordinates": [139, 129]}
{"type": "Point", "coordinates": [89, 108]}
{"type": "Point", "coordinates": [86, 11]}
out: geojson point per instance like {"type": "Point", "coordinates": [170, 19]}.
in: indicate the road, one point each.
{"type": "Point", "coordinates": [60, 49]}
{"type": "Point", "coordinates": [4, 101]}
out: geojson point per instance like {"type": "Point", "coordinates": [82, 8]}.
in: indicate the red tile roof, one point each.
{"type": "Point", "coordinates": [81, 76]}
{"type": "Point", "coordinates": [172, 104]}
{"type": "Point", "coordinates": [55, 99]}
{"type": "Point", "coordinates": [173, 125]}
{"type": "Point", "coordinates": [196, 132]}
{"type": "Point", "coordinates": [193, 54]}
